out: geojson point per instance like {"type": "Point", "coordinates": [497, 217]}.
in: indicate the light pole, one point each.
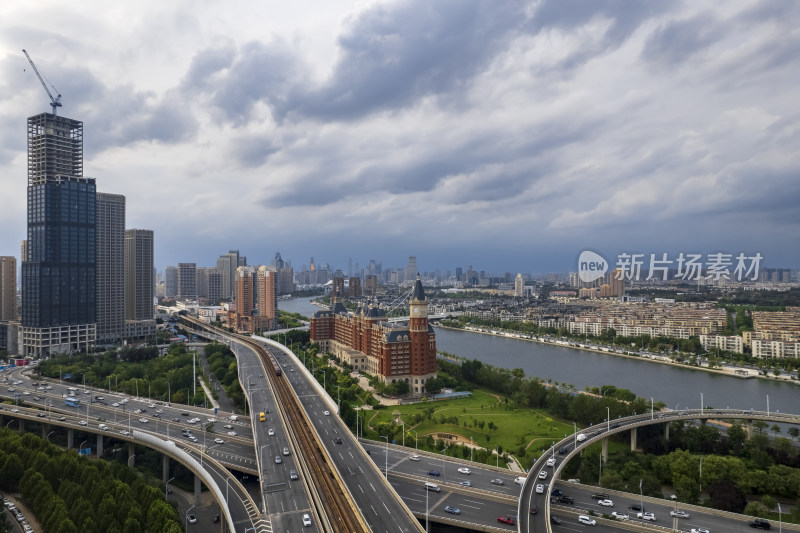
{"type": "Point", "coordinates": [415, 440]}
{"type": "Point", "coordinates": [641, 503]}
{"type": "Point", "coordinates": [80, 448]}
{"type": "Point", "coordinates": [404, 434]}
{"type": "Point", "coordinates": [780, 519]}
{"type": "Point", "coordinates": [130, 460]}
{"type": "Point", "coordinates": [166, 488]}
{"type": "Point", "coordinates": [600, 474]}
{"type": "Point", "coordinates": [9, 423]}
{"type": "Point", "coordinates": [426, 510]}
{"type": "Point", "coordinates": [651, 407]}
{"type": "Point", "coordinates": [169, 394]}
{"type": "Point", "coordinates": [575, 432]}
{"type": "Point", "coordinates": [767, 404]}
{"type": "Point", "coordinates": [701, 403]}
{"type": "Point", "coordinates": [48, 436]}
{"type": "Point", "coordinates": [444, 465]}
{"type": "Point", "coordinates": [496, 457]}
{"type": "Point", "coordinates": [700, 478]}
{"type": "Point", "coordinates": [187, 516]}
{"type": "Point", "coordinates": [386, 456]}
{"type": "Point", "coordinates": [470, 449]}
{"type": "Point", "coordinates": [608, 418]}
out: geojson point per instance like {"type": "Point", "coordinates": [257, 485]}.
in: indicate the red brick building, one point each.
{"type": "Point", "coordinates": [367, 341]}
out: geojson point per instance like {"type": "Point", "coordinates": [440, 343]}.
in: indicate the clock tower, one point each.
{"type": "Point", "coordinates": [423, 341]}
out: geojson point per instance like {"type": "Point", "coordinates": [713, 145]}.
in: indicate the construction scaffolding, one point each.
{"type": "Point", "coordinates": [55, 148]}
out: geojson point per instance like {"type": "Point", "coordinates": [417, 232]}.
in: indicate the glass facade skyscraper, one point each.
{"type": "Point", "coordinates": [59, 270]}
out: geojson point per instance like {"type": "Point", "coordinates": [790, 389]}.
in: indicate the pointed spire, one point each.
{"type": "Point", "coordinates": [419, 292]}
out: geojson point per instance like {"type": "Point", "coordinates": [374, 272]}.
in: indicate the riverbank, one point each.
{"type": "Point", "coordinates": [738, 372]}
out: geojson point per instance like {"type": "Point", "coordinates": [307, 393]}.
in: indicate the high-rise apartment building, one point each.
{"type": "Point", "coordinates": [59, 306]}
{"type": "Point", "coordinates": [201, 282]}
{"type": "Point", "coordinates": [227, 265]}
{"type": "Point", "coordinates": [139, 283]}
{"type": "Point", "coordinates": [411, 268]}
{"type": "Point", "coordinates": [110, 267]}
{"type": "Point", "coordinates": [519, 286]}
{"type": "Point", "coordinates": [214, 286]}
{"type": "Point", "coordinates": [267, 297]}
{"type": "Point", "coordinates": [187, 279]}
{"type": "Point", "coordinates": [170, 282]}
{"type": "Point", "coordinates": [8, 288]}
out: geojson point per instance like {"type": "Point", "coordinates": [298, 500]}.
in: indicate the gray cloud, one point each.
{"type": "Point", "coordinates": [677, 41]}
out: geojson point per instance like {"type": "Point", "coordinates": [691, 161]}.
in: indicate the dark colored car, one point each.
{"type": "Point", "coordinates": [566, 499]}
{"type": "Point", "coordinates": [557, 492]}
{"type": "Point", "coordinates": [759, 523]}
{"type": "Point", "coordinates": [600, 496]}
{"type": "Point", "coordinates": [636, 507]}
{"type": "Point", "coordinates": [555, 520]}
{"type": "Point", "coordinates": [338, 440]}
{"type": "Point", "coordinates": [506, 520]}
{"type": "Point", "coordinates": [563, 451]}
{"type": "Point", "coordinates": [534, 509]}
{"type": "Point", "coordinates": [434, 473]}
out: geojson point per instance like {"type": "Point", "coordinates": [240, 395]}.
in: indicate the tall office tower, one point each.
{"type": "Point", "coordinates": [286, 280]}
{"type": "Point", "coordinates": [411, 269]}
{"type": "Point", "coordinates": [278, 262]}
{"type": "Point", "coordinates": [227, 265]}
{"type": "Point", "coordinates": [267, 297]}
{"type": "Point", "coordinates": [59, 282]}
{"type": "Point", "coordinates": [214, 286]}
{"type": "Point", "coordinates": [519, 286]}
{"type": "Point", "coordinates": [110, 267]}
{"type": "Point", "coordinates": [459, 272]}
{"type": "Point", "coordinates": [355, 287]}
{"type": "Point", "coordinates": [171, 282]}
{"type": "Point", "coordinates": [201, 282]}
{"type": "Point", "coordinates": [8, 288]}
{"type": "Point", "coordinates": [139, 288]}
{"type": "Point", "coordinates": [187, 278]}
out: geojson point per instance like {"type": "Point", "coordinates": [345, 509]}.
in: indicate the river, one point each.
{"type": "Point", "coordinates": [671, 384]}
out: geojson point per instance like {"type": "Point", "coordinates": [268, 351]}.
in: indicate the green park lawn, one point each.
{"type": "Point", "coordinates": [515, 430]}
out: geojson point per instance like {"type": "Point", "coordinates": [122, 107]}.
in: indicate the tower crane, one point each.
{"type": "Point", "coordinates": [54, 102]}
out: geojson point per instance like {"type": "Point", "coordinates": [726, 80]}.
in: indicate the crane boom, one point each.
{"type": "Point", "coordinates": [54, 102]}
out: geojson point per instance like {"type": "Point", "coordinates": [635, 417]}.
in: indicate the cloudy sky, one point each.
{"type": "Point", "coordinates": [500, 134]}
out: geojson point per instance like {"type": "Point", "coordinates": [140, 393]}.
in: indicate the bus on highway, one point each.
{"type": "Point", "coordinates": [72, 402]}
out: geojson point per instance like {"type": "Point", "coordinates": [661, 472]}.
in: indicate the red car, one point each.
{"type": "Point", "coordinates": [506, 520]}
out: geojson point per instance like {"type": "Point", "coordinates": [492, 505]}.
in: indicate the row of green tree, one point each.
{"type": "Point", "coordinates": [222, 363]}
{"type": "Point", "coordinates": [135, 371]}
{"type": "Point", "coordinates": [68, 493]}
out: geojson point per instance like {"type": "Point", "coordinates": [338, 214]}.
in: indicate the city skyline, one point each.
{"type": "Point", "coordinates": [506, 137]}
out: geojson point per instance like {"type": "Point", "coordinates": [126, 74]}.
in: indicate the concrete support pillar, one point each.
{"type": "Point", "coordinates": [99, 445]}
{"type": "Point", "coordinates": [45, 431]}
{"type": "Point", "coordinates": [21, 425]}
{"type": "Point", "coordinates": [70, 438]}
{"type": "Point", "coordinates": [131, 454]}
{"type": "Point", "coordinates": [633, 439]}
{"type": "Point", "coordinates": [666, 431]}
{"type": "Point", "coordinates": [197, 492]}
{"type": "Point", "coordinates": [605, 449]}
{"type": "Point", "coordinates": [164, 468]}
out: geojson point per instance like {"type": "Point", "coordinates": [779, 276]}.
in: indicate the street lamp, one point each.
{"type": "Point", "coordinates": [641, 503]}
{"type": "Point", "coordinates": [169, 394]}
{"type": "Point", "coordinates": [575, 432]}
{"type": "Point", "coordinates": [9, 423]}
{"type": "Point", "coordinates": [415, 440]}
{"type": "Point", "coordinates": [651, 407]}
{"type": "Point", "coordinates": [701, 403]}
{"type": "Point", "coordinates": [80, 448]}
{"type": "Point", "coordinates": [48, 436]}
{"type": "Point", "coordinates": [404, 434]}
{"type": "Point", "coordinates": [130, 460]}
{"type": "Point", "coordinates": [608, 418]}
{"type": "Point", "coordinates": [166, 488]}
{"type": "Point", "coordinates": [780, 519]}
{"type": "Point", "coordinates": [187, 516]}
{"type": "Point", "coordinates": [700, 478]}
{"type": "Point", "coordinates": [496, 457]}
{"type": "Point", "coordinates": [386, 456]}
{"type": "Point", "coordinates": [470, 449]}
{"type": "Point", "coordinates": [767, 404]}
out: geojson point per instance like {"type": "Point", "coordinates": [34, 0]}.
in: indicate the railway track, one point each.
{"type": "Point", "coordinates": [339, 511]}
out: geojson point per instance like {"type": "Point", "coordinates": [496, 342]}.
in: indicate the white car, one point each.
{"type": "Point", "coordinates": [271, 432]}
{"type": "Point", "coordinates": [326, 413]}
{"type": "Point", "coordinates": [115, 404]}
{"type": "Point", "coordinates": [679, 514]}
{"type": "Point", "coordinates": [415, 457]}
{"type": "Point", "coordinates": [232, 433]}
{"type": "Point", "coordinates": [143, 420]}
{"type": "Point", "coordinates": [543, 474]}
{"type": "Point", "coordinates": [646, 516]}
{"type": "Point", "coordinates": [700, 530]}
{"type": "Point", "coordinates": [539, 489]}
{"type": "Point", "coordinates": [306, 520]}
{"type": "Point", "coordinates": [464, 470]}
{"type": "Point", "coordinates": [551, 462]}
{"type": "Point", "coordinates": [83, 422]}
{"type": "Point", "coordinates": [585, 519]}
{"type": "Point", "coordinates": [219, 441]}
{"type": "Point", "coordinates": [619, 516]}
{"type": "Point", "coordinates": [605, 503]}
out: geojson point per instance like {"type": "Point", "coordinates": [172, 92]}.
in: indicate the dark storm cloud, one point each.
{"type": "Point", "coordinates": [266, 72]}
{"type": "Point", "coordinates": [206, 65]}
{"type": "Point", "coordinates": [392, 55]}
{"type": "Point", "coordinates": [676, 41]}
{"type": "Point", "coordinates": [252, 150]}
